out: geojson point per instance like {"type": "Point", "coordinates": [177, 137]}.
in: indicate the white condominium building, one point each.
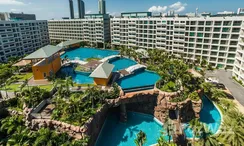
{"type": "Point", "coordinates": [238, 70]}
{"type": "Point", "coordinates": [214, 39]}
{"type": "Point", "coordinates": [22, 37]}
{"type": "Point", "coordinates": [94, 28]}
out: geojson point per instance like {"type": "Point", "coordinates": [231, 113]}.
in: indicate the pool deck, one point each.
{"type": "Point", "coordinates": [33, 82]}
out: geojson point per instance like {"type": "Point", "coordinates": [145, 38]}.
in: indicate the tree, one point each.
{"type": "Point", "coordinates": [140, 138]}
{"type": "Point", "coordinates": [10, 124]}
{"type": "Point", "coordinates": [232, 133]}
{"type": "Point", "coordinates": [208, 138]}
{"type": "Point", "coordinates": [25, 83]}
{"type": "Point", "coordinates": [21, 137]}
{"type": "Point", "coordinates": [217, 94]}
{"type": "Point", "coordinates": [169, 128]}
{"type": "Point", "coordinates": [196, 127]}
{"type": "Point", "coordinates": [204, 62]}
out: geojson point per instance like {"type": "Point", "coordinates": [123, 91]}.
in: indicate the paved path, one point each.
{"type": "Point", "coordinates": [225, 77]}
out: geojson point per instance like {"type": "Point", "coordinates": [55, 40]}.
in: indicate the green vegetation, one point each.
{"type": "Point", "coordinates": [194, 96]}
{"type": "Point", "coordinates": [23, 77]}
{"type": "Point", "coordinates": [14, 132]}
{"type": "Point", "coordinates": [78, 108]}
{"type": "Point", "coordinates": [81, 68]}
{"type": "Point", "coordinates": [93, 58]}
{"type": "Point", "coordinates": [238, 81]}
{"type": "Point", "coordinates": [140, 138]}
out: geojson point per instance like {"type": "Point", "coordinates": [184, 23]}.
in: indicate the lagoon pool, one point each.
{"type": "Point", "coordinates": [140, 78]}
{"type": "Point", "coordinates": [121, 63]}
{"type": "Point", "coordinates": [115, 133]}
{"type": "Point", "coordinates": [84, 53]}
{"type": "Point", "coordinates": [209, 115]}
{"type": "Point", "coordinates": [77, 77]}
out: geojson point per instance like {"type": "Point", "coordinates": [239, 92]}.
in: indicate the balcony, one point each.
{"type": "Point", "coordinates": [241, 43]}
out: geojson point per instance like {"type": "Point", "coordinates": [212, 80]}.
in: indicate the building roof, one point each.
{"type": "Point", "coordinates": [43, 52]}
{"type": "Point", "coordinates": [68, 43]}
{"type": "Point", "coordinates": [102, 71]}
{"type": "Point", "coordinates": [22, 63]}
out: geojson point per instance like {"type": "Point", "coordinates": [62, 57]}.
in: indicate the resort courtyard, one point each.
{"type": "Point", "coordinates": [118, 97]}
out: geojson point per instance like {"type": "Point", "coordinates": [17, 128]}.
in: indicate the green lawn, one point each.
{"type": "Point", "coordinates": [16, 87]}
{"type": "Point", "coordinates": [22, 77]}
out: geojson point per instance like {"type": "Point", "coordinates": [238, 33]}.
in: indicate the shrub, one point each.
{"type": "Point", "coordinates": [194, 96]}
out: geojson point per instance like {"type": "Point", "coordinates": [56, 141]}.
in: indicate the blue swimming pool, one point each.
{"type": "Point", "coordinates": [139, 79]}
{"type": "Point", "coordinates": [78, 77]}
{"type": "Point", "coordinates": [208, 115]}
{"type": "Point", "coordinates": [84, 53]}
{"type": "Point", "coordinates": [123, 134]}
{"type": "Point", "coordinates": [122, 63]}
{"type": "Point", "coordinates": [115, 133]}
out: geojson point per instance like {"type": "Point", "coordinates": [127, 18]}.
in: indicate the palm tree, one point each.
{"type": "Point", "coordinates": [207, 87]}
{"type": "Point", "coordinates": [140, 138]}
{"type": "Point", "coordinates": [196, 127]}
{"type": "Point", "coordinates": [217, 94]}
{"type": "Point", "coordinates": [232, 133]}
{"type": "Point", "coordinates": [25, 83]}
{"type": "Point", "coordinates": [208, 138]}
{"type": "Point", "coordinates": [21, 137]}
{"type": "Point", "coordinates": [169, 128]}
{"type": "Point", "coordinates": [44, 137]}
{"type": "Point", "coordinates": [10, 124]}
{"type": "Point", "coordinates": [68, 82]}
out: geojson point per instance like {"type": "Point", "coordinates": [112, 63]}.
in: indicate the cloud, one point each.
{"type": "Point", "coordinates": [178, 7]}
{"type": "Point", "coordinates": [114, 13]}
{"type": "Point", "coordinates": [11, 2]}
{"type": "Point", "coordinates": [157, 9]}
{"type": "Point", "coordinates": [14, 10]}
{"type": "Point", "coordinates": [88, 12]}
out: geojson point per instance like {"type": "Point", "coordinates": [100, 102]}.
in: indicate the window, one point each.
{"type": "Point", "coordinates": [199, 34]}
{"type": "Point", "coordinates": [226, 29]}
{"type": "Point", "coordinates": [44, 75]}
{"type": "Point", "coordinates": [209, 23]}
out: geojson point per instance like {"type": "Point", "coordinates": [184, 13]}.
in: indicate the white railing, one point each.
{"type": "Point", "coordinates": [109, 57]}
{"type": "Point", "coordinates": [134, 67]}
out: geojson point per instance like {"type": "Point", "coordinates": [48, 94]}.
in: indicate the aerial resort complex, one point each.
{"type": "Point", "coordinates": [137, 79]}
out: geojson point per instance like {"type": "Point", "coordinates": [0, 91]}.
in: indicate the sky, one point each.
{"type": "Point", "coordinates": [56, 9]}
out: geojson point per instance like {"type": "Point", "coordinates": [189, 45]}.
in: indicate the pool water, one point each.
{"type": "Point", "coordinates": [138, 79]}
{"type": "Point", "coordinates": [208, 115]}
{"type": "Point", "coordinates": [115, 133]}
{"type": "Point", "coordinates": [84, 53]}
{"type": "Point", "coordinates": [77, 77]}
{"type": "Point", "coordinates": [121, 63]}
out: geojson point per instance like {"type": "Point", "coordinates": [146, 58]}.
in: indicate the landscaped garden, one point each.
{"type": "Point", "coordinates": [76, 108]}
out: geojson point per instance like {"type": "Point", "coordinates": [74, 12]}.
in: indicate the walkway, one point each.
{"type": "Point", "coordinates": [134, 67]}
{"type": "Point", "coordinates": [108, 58]}
{"type": "Point", "coordinates": [75, 61]}
{"type": "Point", "coordinates": [225, 77]}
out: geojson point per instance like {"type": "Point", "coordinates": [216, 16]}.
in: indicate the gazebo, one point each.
{"type": "Point", "coordinates": [45, 61]}
{"type": "Point", "coordinates": [102, 74]}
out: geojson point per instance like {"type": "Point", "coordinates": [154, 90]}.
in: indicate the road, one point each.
{"type": "Point", "coordinates": [225, 77]}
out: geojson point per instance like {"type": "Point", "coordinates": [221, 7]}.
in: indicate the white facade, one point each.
{"type": "Point", "coordinates": [91, 29]}
{"type": "Point", "coordinates": [212, 38]}
{"type": "Point", "coordinates": [238, 70]}
{"type": "Point", "coordinates": [22, 37]}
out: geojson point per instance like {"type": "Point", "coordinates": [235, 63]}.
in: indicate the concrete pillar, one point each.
{"type": "Point", "coordinates": [123, 113]}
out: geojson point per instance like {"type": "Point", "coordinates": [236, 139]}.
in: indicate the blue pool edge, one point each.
{"type": "Point", "coordinates": [154, 118]}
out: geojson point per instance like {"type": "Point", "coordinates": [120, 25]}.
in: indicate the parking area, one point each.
{"type": "Point", "coordinates": [225, 77]}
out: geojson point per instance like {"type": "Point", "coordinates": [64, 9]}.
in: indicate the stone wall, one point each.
{"type": "Point", "coordinates": [157, 103]}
